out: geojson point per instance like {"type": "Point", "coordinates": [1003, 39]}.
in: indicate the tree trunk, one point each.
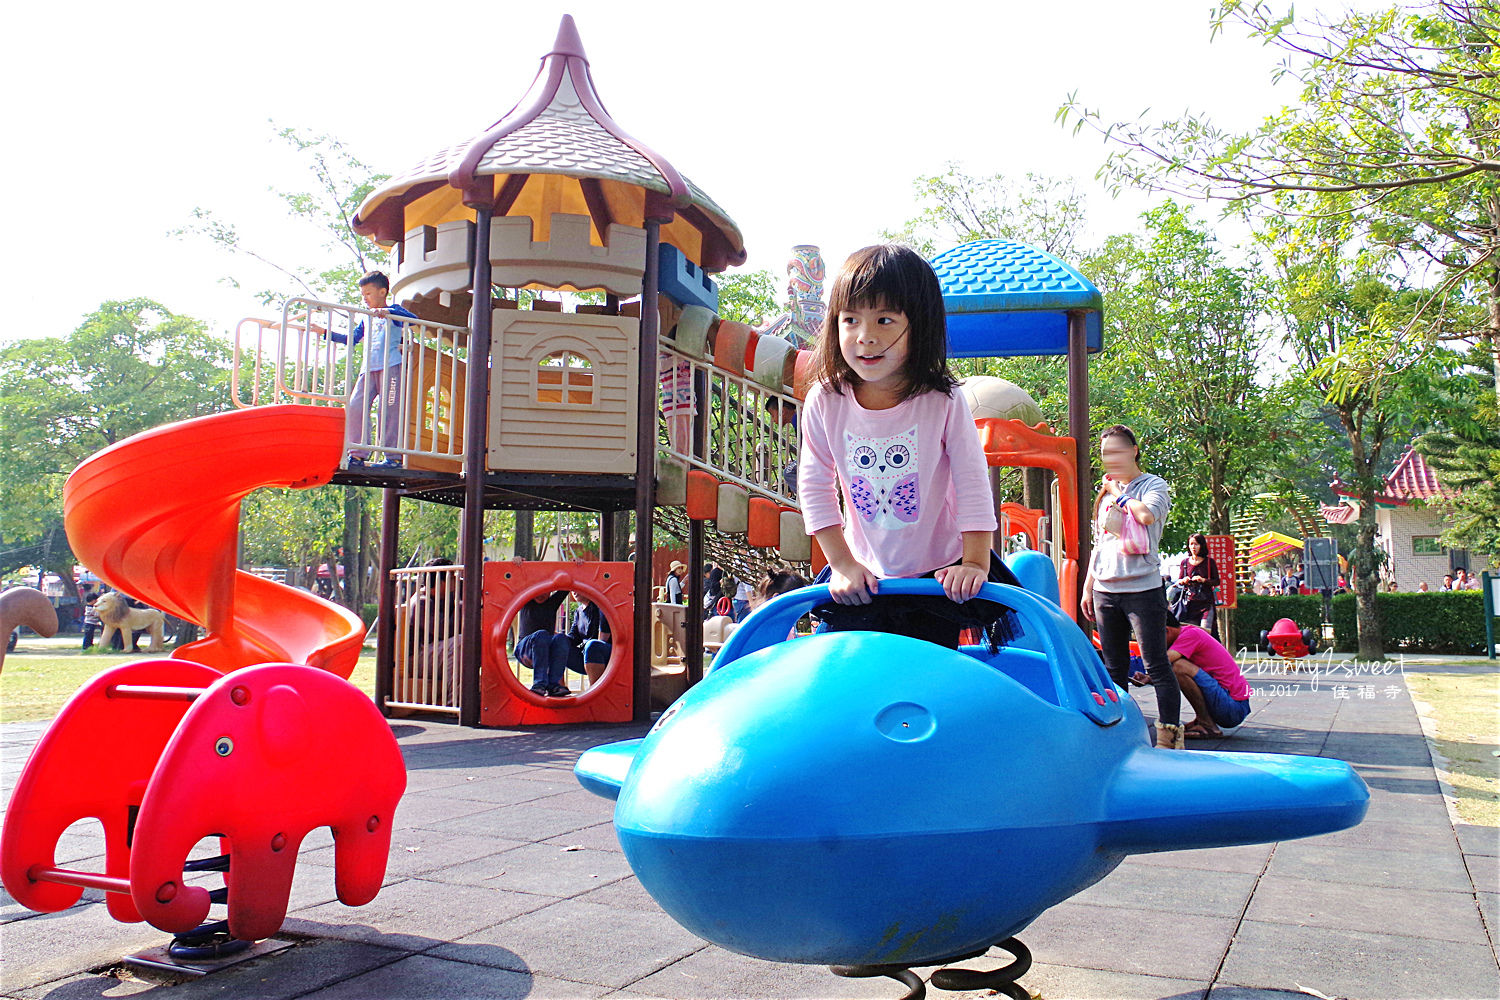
{"type": "Point", "coordinates": [1218, 497]}
{"type": "Point", "coordinates": [1364, 565]}
{"type": "Point", "coordinates": [525, 544]}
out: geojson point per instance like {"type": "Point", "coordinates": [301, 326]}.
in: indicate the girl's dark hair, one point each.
{"type": "Point", "coordinates": [1202, 541]}
{"type": "Point", "coordinates": [894, 277]}
{"type": "Point", "coordinates": [782, 580]}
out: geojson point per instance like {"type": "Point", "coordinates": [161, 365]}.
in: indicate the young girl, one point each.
{"type": "Point", "coordinates": [884, 424]}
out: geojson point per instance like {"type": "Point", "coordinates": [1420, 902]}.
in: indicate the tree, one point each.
{"type": "Point", "coordinates": [341, 183]}
{"type": "Point", "coordinates": [1398, 130]}
{"type": "Point", "coordinates": [957, 207]}
{"type": "Point", "coordinates": [747, 296]}
{"type": "Point", "coordinates": [129, 366]}
{"type": "Point", "coordinates": [1333, 291]}
{"type": "Point", "coordinates": [1184, 348]}
{"type": "Point", "coordinates": [1464, 452]}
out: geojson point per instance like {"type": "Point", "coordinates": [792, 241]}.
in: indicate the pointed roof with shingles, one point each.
{"type": "Point", "coordinates": [558, 130]}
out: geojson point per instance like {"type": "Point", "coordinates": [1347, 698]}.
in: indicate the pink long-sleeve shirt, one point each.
{"type": "Point", "coordinates": [913, 477]}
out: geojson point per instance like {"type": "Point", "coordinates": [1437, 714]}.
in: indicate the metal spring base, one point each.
{"type": "Point", "coordinates": [1001, 980]}
{"type": "Point", "coordinates": [205, 943]}
{"type": "Point", "coordinates": [211, 940]}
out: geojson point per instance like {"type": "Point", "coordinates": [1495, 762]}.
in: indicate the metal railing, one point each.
{"type": "Point", "coordinates": [750, 430]}
{"type": "Point", "coordinates": [429, 640]}
{"type": "Point", "coordinates": [413, 409]}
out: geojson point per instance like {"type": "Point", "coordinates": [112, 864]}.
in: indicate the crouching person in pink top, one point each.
{"type": "Point", "coordinates": [1210, 679]}
{"type": "Point", "coordinates": [883, 425]}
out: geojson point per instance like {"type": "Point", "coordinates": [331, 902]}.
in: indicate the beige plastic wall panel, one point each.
{"type": "Point", "coordinates": [734, 509]}
{"type": "Point", "coordinates": [671, 480]}
{"type": "Point", "coordinates": [567, 258]}
{"type": "Point", "coordinates": [796, 544]}
{"type": "Point", "coordinates": [445, 268]}
{"type": "Point", "coordinates": [593, 434]}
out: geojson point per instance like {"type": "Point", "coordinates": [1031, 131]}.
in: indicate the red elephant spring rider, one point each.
{"type": "Point", "coordinates": [1286, 640]}
{"type": "Point", "coordinates": [165, 753]}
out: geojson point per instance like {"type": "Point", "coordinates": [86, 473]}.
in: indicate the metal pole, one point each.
{"type": "Point", "coordinates": [385, 632]}
{"type": "Point", "coordinates": [1078, 430]}
{"type": "Point", "coordinates": [694, 631]}
{"type": "Point", "coordinates": [645, 472]}
{"type": "Point", "coordinates": [476, 434]}
{"type": "Point", "coordinates": [1487, 579]}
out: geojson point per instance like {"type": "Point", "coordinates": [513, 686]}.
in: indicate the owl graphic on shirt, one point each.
{"type": "Point", "coordinates": [882, 477]}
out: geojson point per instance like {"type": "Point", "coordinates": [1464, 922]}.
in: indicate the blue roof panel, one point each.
{"type": "Point", "coordinates": [1006, 299]}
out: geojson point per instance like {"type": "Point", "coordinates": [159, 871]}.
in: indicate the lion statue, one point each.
{"type": "Point", "coordinates": [119, 616]}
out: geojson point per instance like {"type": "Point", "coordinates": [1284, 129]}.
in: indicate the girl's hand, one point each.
{"type": "Point", "coordinates": [961, 582]}
{"type": "Point", "coordinates": [1111, 486]}
{"type": "Point", "coordinates": [853, 585]}
{"type": "Point", "coordinates": [1087, 604]}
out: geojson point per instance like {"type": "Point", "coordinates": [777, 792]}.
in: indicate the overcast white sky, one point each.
{"type": "Point", "coordinates": [807, 121]}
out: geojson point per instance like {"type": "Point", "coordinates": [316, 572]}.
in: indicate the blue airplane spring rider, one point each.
{"type": "Point", "coordinates": [874, 802]}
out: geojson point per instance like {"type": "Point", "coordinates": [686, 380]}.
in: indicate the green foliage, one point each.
{"type": "Point", "coordinates": [293, 528]}
{"type": "Point", "coordinates": [129, 366]}
{"type": "Point", "coordinates": [1464, 452]}
{"type": "Point", "coordinates": [748, 296]}
{"type": "Point", "coordinates": [1396, 134]}
{"type": "Point", "coordinates": [1450, 622]}
{"type": "Point", "coordinates": [1184, 344]}
{"type": "Point", "coordinates": [1256, 613]}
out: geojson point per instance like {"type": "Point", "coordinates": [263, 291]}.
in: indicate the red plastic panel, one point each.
{"type": "Point", "coordinates": [764, 529]}
{"type": "Point", "coordinates": [503, 700]}
{"type": "Point", "coordinates": [93, 761]}
{"type": "Point", "coordinates": [266, 755]}
{"type": "Point", "coordinates": [702, 495]}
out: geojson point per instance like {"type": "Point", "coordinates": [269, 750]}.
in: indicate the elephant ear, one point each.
{"type": "Point", "coordinates": [284, 723]}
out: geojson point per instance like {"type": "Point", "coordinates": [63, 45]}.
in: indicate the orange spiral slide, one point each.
{"type": "Point", "coordinates": [157, 516]}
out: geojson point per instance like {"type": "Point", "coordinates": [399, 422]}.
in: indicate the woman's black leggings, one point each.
{"type": "Point", "coordinates": [1144, 613]}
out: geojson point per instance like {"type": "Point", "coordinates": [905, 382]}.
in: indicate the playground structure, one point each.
{"type": "Point", "coordinates": [1253, 545]}
{"type": "Point", "coordinates": [647, 401]}
{"type": "Point", "coordinates": [505, 401]}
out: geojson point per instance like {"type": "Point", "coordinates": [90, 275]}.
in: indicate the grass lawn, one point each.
{"type": "Point", "coordinates": [1468, 734]}
{"type": "Point", "coordinates": [41, 674]}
